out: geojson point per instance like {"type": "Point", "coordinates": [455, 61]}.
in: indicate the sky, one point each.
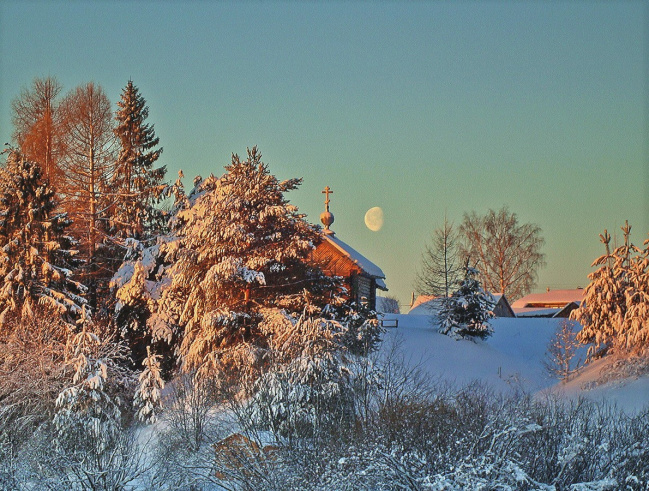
{"type": "Point", "coordinates": [420, 108]}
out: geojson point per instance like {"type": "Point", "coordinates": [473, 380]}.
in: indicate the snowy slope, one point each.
{"type": "Point", "coordinates": [602, 382]}
{"type": "Point", "coordinates": [511, 358]}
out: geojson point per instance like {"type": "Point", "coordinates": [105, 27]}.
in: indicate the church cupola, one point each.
{"type": "Point", "coordinates": [326, 217]}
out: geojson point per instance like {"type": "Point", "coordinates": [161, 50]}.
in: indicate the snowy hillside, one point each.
{"type": "Point", "coordinates": [512, 357]}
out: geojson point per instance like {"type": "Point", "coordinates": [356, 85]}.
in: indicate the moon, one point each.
{"type": "Point", "coordinates": [374, 219]}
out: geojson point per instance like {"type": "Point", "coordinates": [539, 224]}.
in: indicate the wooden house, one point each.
{"type": "Point", "coordinates": [552, 303]}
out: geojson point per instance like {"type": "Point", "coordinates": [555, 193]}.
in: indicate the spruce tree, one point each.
{"type": "Point", "coordinates": [88, 417]}
{"type": "Point", "coordinates": [614, 313]}
{"type": "Point", "coordinates": [136, 185]}
{"type": "Point", "coordinates": [37, 258]}
{"type": "Point", "coordinates": [237, 249]}
{"type": "Point", "coordinates": [243, 248]}
{"type": "Point", "coordinates": [467, 311]}
{"type": "Point", "coordinates": [147, 401]}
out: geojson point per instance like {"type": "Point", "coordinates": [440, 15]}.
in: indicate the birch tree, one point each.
{"type": "Point", "coordinates": [507, 254]}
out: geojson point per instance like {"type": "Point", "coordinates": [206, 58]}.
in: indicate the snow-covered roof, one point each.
{"type": "Point", "coordinates": [496, 297]}
{"type": "Point", "coordinates": [365, 264]}
{"type": "Point", "coordinates": [551, 298]}
{"type": "Point", "coordinates": [535, 311]}
{"type": "Point", "coordinates": [421, 299]}
{"type": "Point", "coordinates": [426, 305]}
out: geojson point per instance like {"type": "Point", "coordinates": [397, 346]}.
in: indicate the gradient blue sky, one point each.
{"type": "Point", "coordinates": [420, 108]}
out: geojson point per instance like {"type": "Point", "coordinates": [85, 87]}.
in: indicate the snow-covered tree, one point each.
{"type": "Point", "coordinates": [242, 247]}
{"type": "Point", "coordinates": [237, 246]}
{"type": "Point", "coordinates": [136, 186]}
{"type": "Point", "coordinates": [614, 312]}
{"type": "Point", "coordinates": [87, 418]}
{"type": "Point", "coordinates": [37, 258]}
{"type": "Point", "coordinates": [147, 401]}
{"type": "Point", "coordinates": [309, 386]}
{"type": "Point", "coordinates": [467, 311]}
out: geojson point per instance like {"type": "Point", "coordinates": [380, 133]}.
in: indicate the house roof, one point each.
{"type": "Point", "coordinates": [426, 305]}
{"type": "Point", "coordinates": [535, 312]}
{"type": "Point", "coordinates": [357, 258]}
{"type": "Point", "coordinates": [550, 299]}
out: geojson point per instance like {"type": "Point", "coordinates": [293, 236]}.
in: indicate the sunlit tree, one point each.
{"type": "Point", "coordinates": [37, 125]}
{"type": "Point", "coordinates": [88, 164]}
{"type": "Point", "coordinates": [507, 254]}
{"type": "Point", "coordinates": [136, 186]}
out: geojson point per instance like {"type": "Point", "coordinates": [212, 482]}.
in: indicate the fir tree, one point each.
{"type": "Point", "coordinates": [602, 311]}
{"type": "Point", "coordinates": [87, 418]}
{"type": "Point", "coordinates": [615, 313]}
{"type": "Point", "coordinates": [237, 247]}
{"type": "Point", "coordinates": [242, 247]}
{"type": "Point", "coordinates": [467, 311]}
{"type": "Point", "coordinates": [147, 401]}
{"type": "Point", "coordinates": [309, 386]}
{"type": "Point", "coordinates": [136, 185]}
{"type": "Point", "coordinates": [37, 258]}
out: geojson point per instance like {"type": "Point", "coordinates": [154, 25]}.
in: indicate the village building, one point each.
{"type": "Point", "coordinates": [361, 277]}
{"type": "Point", "coordinates": [551, 303]}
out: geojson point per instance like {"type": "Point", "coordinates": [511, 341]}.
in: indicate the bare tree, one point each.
{"type": "Point", "coordinates": [507, 254]}
{"type": "Point", "coordinates": [37, 128]}
{"type": "Point", "coordinates": [88, 162]}
{"type": "Point", "coordinates": [440, 270]}
{"type": "Point", "coordinates": [387, 305]}
{"type": "Point", "coordinates": [562, 350]}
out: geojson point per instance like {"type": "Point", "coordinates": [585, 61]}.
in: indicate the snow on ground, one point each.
{"type": "Point", "coordinates": [598, 381]}
{"type": "Point", "coordinates": [511, 358]}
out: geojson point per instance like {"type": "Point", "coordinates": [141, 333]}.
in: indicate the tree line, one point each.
{"type": "Point", "coordinates": [104, 295]}
{"type": "Point", "coordinates": [505, 253]}
{"type": "Point", "coordinates": [99, 165]}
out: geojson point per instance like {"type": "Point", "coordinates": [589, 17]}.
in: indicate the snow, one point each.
{"type": "Point", "coordinates": [598, 382]}
{"type": "Point", "coordinates": [368, 266]}
{"type": "Point", "coordinates": [512, 358]}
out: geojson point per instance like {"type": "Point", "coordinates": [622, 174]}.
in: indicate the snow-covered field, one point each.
{"type": "Point", "coordinates": [511, 358]}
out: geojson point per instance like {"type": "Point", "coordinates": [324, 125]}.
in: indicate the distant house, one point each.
{"type": "Point", "coordinates": [426, 305]}
{"type": "Point", "coordinates": [502, 307]}
{"type": "Point", "coordinates": [552, 303]}
{"type": "Point", "coordinates": [361, 277]}
{"type": "Point", "coordinates": [430, 304]}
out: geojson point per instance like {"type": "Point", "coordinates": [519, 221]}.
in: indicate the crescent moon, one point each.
{"type": "Point", "coordinates": [374, 219]}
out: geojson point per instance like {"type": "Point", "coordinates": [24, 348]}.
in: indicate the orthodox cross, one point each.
{"type": "Point", "coordinates": [327, 191]}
